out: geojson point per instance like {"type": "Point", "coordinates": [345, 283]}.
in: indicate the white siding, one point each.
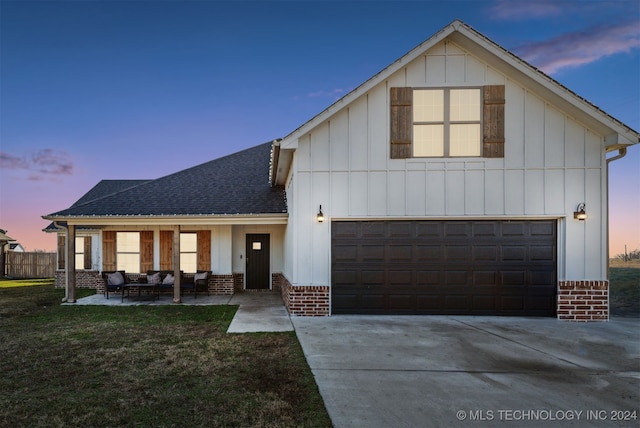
{"type": "Point", "coordinates": [551, 164]}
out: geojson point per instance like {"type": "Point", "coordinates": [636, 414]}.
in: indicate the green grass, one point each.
{"type": "Point", "coordinates": [6, 283]}
{"type": "Point", "coordinates": [155, 366]}
{"type": "Point", "coordinates": [624, 291]}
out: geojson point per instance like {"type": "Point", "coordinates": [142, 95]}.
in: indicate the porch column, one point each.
{"type": "Point", "coordinates": [176, 265]}
{"type": "Point", "coordinates": [70, 273]}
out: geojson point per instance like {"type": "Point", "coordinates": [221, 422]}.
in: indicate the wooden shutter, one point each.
{"type": "Point", "coordinates": [146, 250]}
{"type": "Point", "coordinates": [401, 100]}
{"type": "Point", "coordinates": [204, 250]}
{"type": "Point", "coordinates": [166, 250]}
{"type": "Point", "coordinates": [61, 252]}
{"type": "Point", "coordinates": [87, 253]}
{"type": "Point", "coordinates": [493, 126]}
{"type": "Point", "coordinates": [109, 250]}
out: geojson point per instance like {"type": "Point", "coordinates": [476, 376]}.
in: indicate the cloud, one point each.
{"type": "Point", "coordinates": [45, 162]}
{"type": "Point", "coordinates": [48, 161]}
{"type": "Point", "coordinates": [8, 161]}
{"type": "Point", "coordinates": [581, 47]}
{"type": "Point", "coordinates": [515, 10]}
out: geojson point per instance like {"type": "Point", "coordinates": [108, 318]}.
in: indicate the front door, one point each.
{"type": "Point", "coordinates": [258, 263]}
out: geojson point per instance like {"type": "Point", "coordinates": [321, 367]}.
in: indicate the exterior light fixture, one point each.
{"type": "Point", "coordinates": [320, 216]}
{"type": "Point", "coordinates": [579, 213]}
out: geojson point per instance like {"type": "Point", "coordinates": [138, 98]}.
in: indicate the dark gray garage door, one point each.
{"type": "Point", "coordinates": [444, 267]}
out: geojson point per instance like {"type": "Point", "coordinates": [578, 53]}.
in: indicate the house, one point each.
{"type": "Point", "coordinates": [458, 180]}
{"type": "Point", "coordinates": [16, 247]}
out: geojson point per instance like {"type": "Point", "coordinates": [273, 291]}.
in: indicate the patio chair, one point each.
{"type": "Point", "coordinates": [112, 283]}
{"type": "Point", "coordinates": [200, 279]}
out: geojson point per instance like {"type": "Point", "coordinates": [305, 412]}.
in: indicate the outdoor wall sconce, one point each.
{"type": "Point", "coordinates": [320, 216]}
{"type": "Point", "coordinates": [579, 213]}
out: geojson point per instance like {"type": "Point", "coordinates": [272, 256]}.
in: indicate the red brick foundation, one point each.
{"type": "Point", "coordinates": [221, 284]}
{"type": "Point", "coordinates": [84, 279]}
{"type": "Point", "coordinates": [305, 300]}
{"type": "Point", "coordinates": [218, 284]}
{"type": "Point", "coordinates": [583, 300]}
{"type": "Point", "coordinates": [238, 282]}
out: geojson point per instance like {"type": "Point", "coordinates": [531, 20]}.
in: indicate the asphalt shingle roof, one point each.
{"type": "Point", "coordinates": [236, 184]}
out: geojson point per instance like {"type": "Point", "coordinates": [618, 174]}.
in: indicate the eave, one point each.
{"type": "Point", "coordinates": [172, 220]}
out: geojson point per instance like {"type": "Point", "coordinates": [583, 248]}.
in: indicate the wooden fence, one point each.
{"type": "Point", "coordinates": [30, 265]}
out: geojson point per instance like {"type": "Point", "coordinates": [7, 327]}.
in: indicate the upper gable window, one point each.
{"type": "Point", "coordinates": [446, 122]}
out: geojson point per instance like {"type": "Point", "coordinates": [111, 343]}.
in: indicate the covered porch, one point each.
{"type": "Point", "coordinates": [245, 255]}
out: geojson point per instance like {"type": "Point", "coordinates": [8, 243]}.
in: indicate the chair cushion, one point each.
{"type": "Point", "coordinates": [115, 278]}
{"type": "Point", "coordinates": [168, 280]}
{"type": "Point", "coordinates": [199, 276]}
{"type": "Point", "coordinates": [153, 279]}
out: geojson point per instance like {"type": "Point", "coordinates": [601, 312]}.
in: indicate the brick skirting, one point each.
{"type": "Point", "coordinates": [84, 279]}
{"type": "Point", "coordinates": [221, 284]}
{"type": "Point", "coordinates": [238, 282]}
{"type": "Point", "coordinates": [305, 300]}
{"type": "Point", "coordinates": [218, 284]}
{"type": "Point", "coordinates": [583, 300]}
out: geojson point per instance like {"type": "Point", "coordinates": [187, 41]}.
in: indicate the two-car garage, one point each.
{"type": "Point", "coordinates": [463, 267]}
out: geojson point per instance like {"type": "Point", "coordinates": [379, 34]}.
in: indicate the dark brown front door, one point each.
{"type": "Point", "coordinates": [258, 262]}
{"type": "Point", "coordinates": [496, 267]}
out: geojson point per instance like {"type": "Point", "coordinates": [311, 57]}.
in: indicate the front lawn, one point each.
{"type": "Point", "coordinates": [624, 290]}
{"type": "Point", "coordinates": [145, 366]}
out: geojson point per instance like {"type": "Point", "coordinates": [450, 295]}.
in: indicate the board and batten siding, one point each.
{"type": "Point", "coordinates": [551, 164]}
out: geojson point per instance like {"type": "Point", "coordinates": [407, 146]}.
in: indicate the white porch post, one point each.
{"type": "Point", "coordinates": [176, 265]}
{"type": "Point", "coordinates": [70, 273]}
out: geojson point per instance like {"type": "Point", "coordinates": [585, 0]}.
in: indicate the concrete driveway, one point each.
{"type": "Point", "coordinates": [431, 371]}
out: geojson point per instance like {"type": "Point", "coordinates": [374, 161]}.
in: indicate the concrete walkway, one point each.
{"type": "Point", "coordinates": [446, 371]}
{"type": "Point", "coordinates": [258, 311]}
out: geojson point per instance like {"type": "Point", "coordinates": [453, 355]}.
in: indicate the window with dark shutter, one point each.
{"type": "Point", "coordinates": [401, 122]}
{"type": "Point", "coordinates": [87, 253]}
{"type": "Point", "coordinates": [146, 250]}
{"type": "Point", "coordinates": [204, 250]}
{"type": "Point", "coordinates": [109, 250]}
{"type": "Point", "coordinates": [166, 250]}
{"type": "Point", "coordinates": [447, 122]}
{"type": "Point", "coordinates": [493, 122]}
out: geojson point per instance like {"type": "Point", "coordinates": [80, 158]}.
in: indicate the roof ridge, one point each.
{"type": "Point", "coordinates": [142, 182]}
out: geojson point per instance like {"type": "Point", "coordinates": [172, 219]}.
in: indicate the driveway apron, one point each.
{"type": "Point", "coordinates": [432, 371]}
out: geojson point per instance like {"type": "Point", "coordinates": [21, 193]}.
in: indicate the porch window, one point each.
{"type": "Point", "coordinates": [83, 253]}
{"type": "Point", "coordinates": [80, 252]}
{"type": "Point", "coordinates": [188, 252]}
{"type": "Point", "coordinates": [128, 251]}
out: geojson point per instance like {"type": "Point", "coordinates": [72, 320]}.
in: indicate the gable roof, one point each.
{"type": "Point", "coordinates": [617, 134]}
{"type": "Point", "coordinates": [237, 184]}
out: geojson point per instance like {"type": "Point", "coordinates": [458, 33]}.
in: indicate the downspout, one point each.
{"type": "Point", "coordinates": [622, 151]}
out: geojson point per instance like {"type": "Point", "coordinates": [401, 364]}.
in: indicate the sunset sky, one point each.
{"type": "Point", "coordinates": [98, 90]}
